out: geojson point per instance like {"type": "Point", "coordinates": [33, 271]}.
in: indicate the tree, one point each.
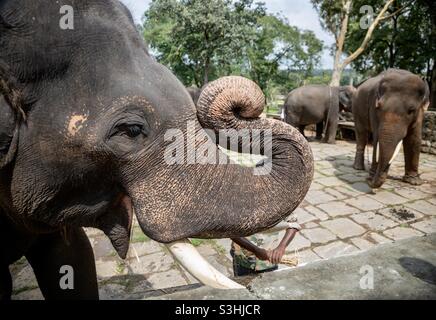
{"type": "Point", "coordinates": [406, 40]}
{"type": "Point", "coordinates": [201, 40]}
{"type": "Point", "coordinates": [200, 37]}
{"type": "Point", "coordinates": [277, 46]}
{"type": "Point", "coordinates": [335, 16]}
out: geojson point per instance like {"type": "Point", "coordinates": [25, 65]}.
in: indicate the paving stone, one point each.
{"type": "Point", "coordinates": [373, 221]}
{"type": "Point", "coordinates": [307, 256]}
{"type": "Point", "coordinates": [427, 226]}
{"type": "Point", "coordinates": [429, 188]}
{"type": "Point", "coordinates": [143, 248]}
{"type": "Point", "coordinates": [316, 186]}
{"type": "Point", "coordinates": [303, 216]}
{"type": "Point", "coordinates": [311, 225]}
{"type": "Point", "coordinates": [33, 294]}
{"type": "Point", "coordinates": [362, 244]}
{"type": "Point", "coordinates": [299, 242]}
{"type": "Point", "coordinates": [335, 249]}
{"type": "Point", "coordinates": [422, 206]}
{"type": "Point", "coordinates": [364, 203]}
{"type": "Point", "coordinates": [25, 278]}
{"type": "Point", "coordinates": [378, 238]}
{"type": "Point", "coordinates": [400, 233]}
{"type": "Point", "coordinates": [343, 227]}
{"type": "Point", "coordinates": [411, 193]}
{"type": "Point", "coordinates": [111, 291]}
{"type": "Point", "coordinates": [317, 213]}
{"type": "Point", "coordinates": [351, 178]}
{"type": "Point", "coordinates": [388, 198]}
{"type": "Point", "coordinates": [346, 169]}
{"type": "Point", "coordinates": [401, 214]}
{"type": "Point", "coordinates": [318, 196]}
{"type": "Point", "coordinates": [361, 187]}
{"type": "Point", "coordinates": [154, 262]}
{"type": "Point", "coordinates": [206, 250]}
{"type": "Point", "coordinates": [171, 278]}
{"type": "Point", "coordinates": [318, 235]}
{"type": "Point", "coordinates": [335, 193]}
{"type": "Point", "coordinates": [103, 247]}
{"type": "Point", "coordinates": [330, 181]}
{"type": "Point", "coordinates": [111, 268]}
{"type": "Point", "coordinates": [348, 191]}
{"type": "Point", "coordinates": [337, 208]}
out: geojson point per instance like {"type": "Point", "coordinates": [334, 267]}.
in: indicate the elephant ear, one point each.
{"type": "Point", "coordinates": [426, 98]}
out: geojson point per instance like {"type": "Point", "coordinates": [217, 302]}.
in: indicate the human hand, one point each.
{"type": "Point", "coordinates": [275, 256]}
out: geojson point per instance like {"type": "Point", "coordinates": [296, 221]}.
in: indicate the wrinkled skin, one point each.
{"type": "Point", "coordinates": [82, 143]}
{"type": "Point", "coordinates": [320, 105]}
{"type": "Point", "coordinates": [194, 92]}
{"type": "Point", "coordinates": [390, 106]}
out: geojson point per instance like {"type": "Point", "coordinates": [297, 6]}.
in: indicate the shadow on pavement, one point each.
{"type": "Point", "coordinates": [420, 269]}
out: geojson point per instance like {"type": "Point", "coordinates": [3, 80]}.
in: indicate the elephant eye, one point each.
{"type": "Point", "coordinates": [411, 110]}
{"type": "Point", "coordinates": [131, 131]}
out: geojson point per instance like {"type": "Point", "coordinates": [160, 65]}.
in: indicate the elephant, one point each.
{"type": "Point", "coordinates": [88, 125]}
{"type": "Point", "coordinates": [391, 106]}
{"type": "Point", "coordinates": [320, 105]}
{"type": "Point", "coordinates": [194, 92]}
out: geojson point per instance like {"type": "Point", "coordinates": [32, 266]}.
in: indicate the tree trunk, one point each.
{"type": "Point", "coordinates": [433, 88]}
{"type": "Point", "coordinates": [206, 71]}
{"type": "Point", "coordinates": [337, 68]}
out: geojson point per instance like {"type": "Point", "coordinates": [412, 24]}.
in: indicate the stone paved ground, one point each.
{"type": "Point", "coordinates": [340, 215]}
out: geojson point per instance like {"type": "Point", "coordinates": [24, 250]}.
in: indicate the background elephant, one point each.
{"type": "Point", "coordinates": [320, 105]}
{"type": "Point", "coordinates": [390, 106]}
{"type": "Point", "coordinates": [84, 142]}
{"type": "Point", "coordinates": [194, 92]}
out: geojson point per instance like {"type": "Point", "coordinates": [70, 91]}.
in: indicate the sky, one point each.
{"type": "Point", "coordinates": [300, 13]}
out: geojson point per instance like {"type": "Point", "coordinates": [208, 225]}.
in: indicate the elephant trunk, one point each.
{"type": "Point", "coordinates": [386, 148]}
{"type": "Point", "coordinates": [220, 199]}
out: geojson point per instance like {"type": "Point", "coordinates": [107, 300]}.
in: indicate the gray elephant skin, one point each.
{"type": "Point", "coordinates": [391, 107]}
{"type": "Point", "coordinates": [82, 144]}
{"type": "Point", "coordinates": [320, 105]}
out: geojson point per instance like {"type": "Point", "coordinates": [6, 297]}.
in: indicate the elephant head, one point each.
{"type": "Point", "coordinates": [346, 97]}
{"type": "Point", "coordinates": [90, 120]}
{"type": "Point", "coordinates": [400, 99]}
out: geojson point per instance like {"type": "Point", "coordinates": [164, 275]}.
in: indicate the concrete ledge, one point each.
{"type": "Point", "coordinates": [403, 270]}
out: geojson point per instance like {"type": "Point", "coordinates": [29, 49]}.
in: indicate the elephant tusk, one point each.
{"type": "Point", "coordinates": [397, 150]}
{"type": "Point", "coordinates": [186, 254]}
{"type": "Point", "coordinates": [282, 114]}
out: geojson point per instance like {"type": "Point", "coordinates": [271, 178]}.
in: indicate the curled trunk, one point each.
{"type": "Point", "coordinates": [215, 200]}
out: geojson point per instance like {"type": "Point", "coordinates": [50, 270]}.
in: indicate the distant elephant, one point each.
{"type": "Point", "coordinates": [194, 92]}
{"type": "Point", "coordinates": [390, 106]}
{"type": "Point", "coordinates": [94, 131]}
{"type": "Point", "coordinates": [320, 105]}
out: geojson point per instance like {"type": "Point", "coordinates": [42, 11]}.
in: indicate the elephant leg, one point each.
{"type": "Point", "coordinates": [64, 265]}
{"type": "Point", "coordinates": [412, 149]}
{"type": "Point", "coordinates": [319, 129]}
{"type": "Point", "coordinates": [301, 129]}
{"type": "Point", "coordinates": [361, 141]}
{"type": "Point", "coordinates": [5, 283]}
{"type": "Point", "coordinates": [332, 127]}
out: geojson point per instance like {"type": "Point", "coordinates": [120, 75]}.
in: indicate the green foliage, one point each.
{"type": "Point", "coordinates": [201, 40]}
{"type": "Point", "coordinates": [406, 40]}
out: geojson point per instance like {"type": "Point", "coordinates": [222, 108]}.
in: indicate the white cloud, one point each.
{"type": "Point", "coordinates": [300, 13]}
